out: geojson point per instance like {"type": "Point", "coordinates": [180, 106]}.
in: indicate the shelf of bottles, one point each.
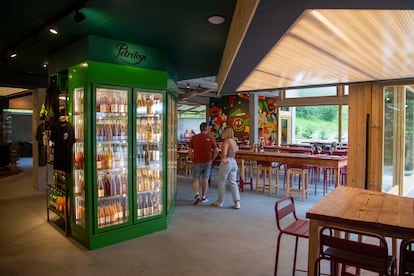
{"type": "Point", "coordinates": [111, 156]}
{"type": "Point", "coordinates": [57, 193]}
{"type": "Point", "coordinates": [56, 200]}
{"type": "Point", "coordinates": [149, 154]}
{"type": "Point", "coordinates": [79, 158]}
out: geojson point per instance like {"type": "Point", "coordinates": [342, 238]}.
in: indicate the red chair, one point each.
{"type": "Point", "coordinates": [350, 251]}
{"type": "Point", "coordinates": [407, 257]}
{"type": "Point", "coordinates": [289, 224]}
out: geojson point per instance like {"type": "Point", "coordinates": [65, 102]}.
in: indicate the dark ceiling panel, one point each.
{"type": "Point", "coordinates": [179, 28]}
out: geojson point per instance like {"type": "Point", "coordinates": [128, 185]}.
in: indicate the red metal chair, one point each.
{"type": "Point", "coordinates": [353, 250]}
{"type": "Point", "coordinates": [289, 224]}
{"type": "Point", "coordinates": [407, 257]}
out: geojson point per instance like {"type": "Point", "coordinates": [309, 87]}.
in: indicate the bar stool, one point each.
{"type": "Point", "coordinates": [301, 188]}
{"type": "Point", "coordinates": [188, 166]}
{"type": "Point", "coordinates": [266, 170]}
{"type": "Point", "coordinates": [246, 174]}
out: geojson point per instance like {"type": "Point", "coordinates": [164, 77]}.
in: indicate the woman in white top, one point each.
{"type": "Point", "coordinates": [228, 169]}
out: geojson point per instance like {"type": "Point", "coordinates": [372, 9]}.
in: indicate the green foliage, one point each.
{"type": "Point", "coordinates": [323, 135]}
{"type": "Point", "coordinates": [307, 133]}
{"type": "Point", "coordinates": [319, 122]}
{"type": "Point", "coordinates": [326, 113]}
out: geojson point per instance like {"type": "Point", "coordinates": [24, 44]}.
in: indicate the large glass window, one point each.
{"type": "Point", "coordinates": [311, 92]}
{"type": "Point", "coordinates": [317, 123]}
{"type": "Point", "coordinates": [398, 169]}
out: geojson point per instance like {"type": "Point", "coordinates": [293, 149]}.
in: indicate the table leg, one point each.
{"type": "Point", "coordinates": [337, 176]}
{"type": "Point", "coordinates": [313, 245]}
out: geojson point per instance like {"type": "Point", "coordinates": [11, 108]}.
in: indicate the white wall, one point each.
{"type": "Point", "coordinates": [190, 124]}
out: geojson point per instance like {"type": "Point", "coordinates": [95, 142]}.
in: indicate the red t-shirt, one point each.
{"type": "Point", "coordinates": [202, 144]}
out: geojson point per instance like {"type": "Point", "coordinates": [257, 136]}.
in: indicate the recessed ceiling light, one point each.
{"type": "Point", "coordinates": [216, 19]}
{"type": "Point", "coordinates": [53, 31]}
{"type": "Point", "coordinates": [13, 55]}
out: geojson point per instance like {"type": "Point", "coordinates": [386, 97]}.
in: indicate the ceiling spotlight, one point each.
{"type": "Point", "coordinates": [78, 17]}
{"type": "Point", "coordinates": [13, 55]}
{"type": "Point", "coordinates": [216, 19]}
{"type": "Point", "coordinates": [53, 30]}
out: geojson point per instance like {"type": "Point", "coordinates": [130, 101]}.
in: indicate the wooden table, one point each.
{"type": "Point", "coordinates": [385, 214]}
{"type": "Point", "coordinates": [333, 161]}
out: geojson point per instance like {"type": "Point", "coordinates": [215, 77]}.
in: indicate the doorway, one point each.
{"type": "Point", "coordinates": [398, 141]}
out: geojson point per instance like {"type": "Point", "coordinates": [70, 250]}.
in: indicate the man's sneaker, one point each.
{"type": "Point", "coordinates": [236, 204]}
{"type": "Point", "coordinates": [218, 204]}
{"type": "Point", "coordinates": [197, 199]}
{"type": "Point", "coordinates": [204, 199]}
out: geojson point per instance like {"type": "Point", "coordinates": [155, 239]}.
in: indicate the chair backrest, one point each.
{"type": "Point", "coordinates": [356, 248]}
{"type": "Point", "coordinates": [285, 209]}
{"type": "Point", "coordinates": [407, 257]}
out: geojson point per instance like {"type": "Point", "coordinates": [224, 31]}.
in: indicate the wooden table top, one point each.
{"type": "Point", "coordinates": [271, 156]}
{"type": "Point", "coordinates": [383, 213]}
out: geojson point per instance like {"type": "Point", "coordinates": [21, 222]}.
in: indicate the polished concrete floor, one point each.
{"type": "Point", "coordinates": [199, 240]}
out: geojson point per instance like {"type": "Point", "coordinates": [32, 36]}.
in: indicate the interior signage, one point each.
{"type": "Point", "coordinates": [128, 56]}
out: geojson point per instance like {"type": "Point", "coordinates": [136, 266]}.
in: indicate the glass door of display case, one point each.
{"type": "Point", "coordinates": [149, 157]}
{"type": "Point", "coordinates": [79, 157]}
{"type": "Point", "coordinates": [111, 153]}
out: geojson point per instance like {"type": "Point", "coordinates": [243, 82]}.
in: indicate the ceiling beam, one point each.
{"type": "Point", "coordinates": [242, 16]}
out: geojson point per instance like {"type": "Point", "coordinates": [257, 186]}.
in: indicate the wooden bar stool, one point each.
{"type": "Point", "coordinates": [265, 170]}
{"type": "Point", "coordinates": [188, 167]}
{"type": "Point", "coordinates": [299, 188]}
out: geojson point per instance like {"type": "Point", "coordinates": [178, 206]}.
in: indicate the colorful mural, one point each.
{"type": "Point", "coordinates": [230, 111]}
{"type": "Point", "coordinates": [267, 119]}
{"type": "Point", "coordinates": [234, 111]}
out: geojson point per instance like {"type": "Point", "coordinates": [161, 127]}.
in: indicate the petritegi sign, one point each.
{"type": "Point", "coordinates": [129, 56]}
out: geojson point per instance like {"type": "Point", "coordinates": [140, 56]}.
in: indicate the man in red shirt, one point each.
{"type": "Point", "coordinates": [202, 150]}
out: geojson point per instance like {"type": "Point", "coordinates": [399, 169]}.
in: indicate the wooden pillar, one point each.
{"type": "Point", "coordinates": [359, 100]}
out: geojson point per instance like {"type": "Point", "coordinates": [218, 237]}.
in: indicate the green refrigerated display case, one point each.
{"type": "Point", "coordinates": [124, 174]}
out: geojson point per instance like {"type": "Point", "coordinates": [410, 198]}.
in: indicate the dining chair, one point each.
{"type": "Point", "coordinates": [349, 251]}
{"type": "Point", "coordinates": [406, 266]}
{"type": "Point", "coordinates": [288, 223]}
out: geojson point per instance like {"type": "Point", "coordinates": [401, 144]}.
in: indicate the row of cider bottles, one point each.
{"type": "Point", "coordinates": [147, 153]}
{"type": "Point", "coordinates": [148, 104]}
{"type": "Point", "coordinates": [149, 128]}
{"type": "Point", "coordinates": [111, 130]}
{"type": "Point", "coordinates": [112, 212]}
{"type": "Point", "coordinates": [112, 184]}
{"type": "Point", "coordinates": [79, 211]}
{"type": "Point", "coordinates": [148, 179]}
{"type": "Point", "coordinates": [112, 103]}
{"type": "Point", "coordinates": [148, 204]}
{"type": "Point", "coordinates": [112, 156]}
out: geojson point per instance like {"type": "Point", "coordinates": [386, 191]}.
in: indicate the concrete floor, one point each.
{"type": "Point", "coordinates": [200, 240]}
